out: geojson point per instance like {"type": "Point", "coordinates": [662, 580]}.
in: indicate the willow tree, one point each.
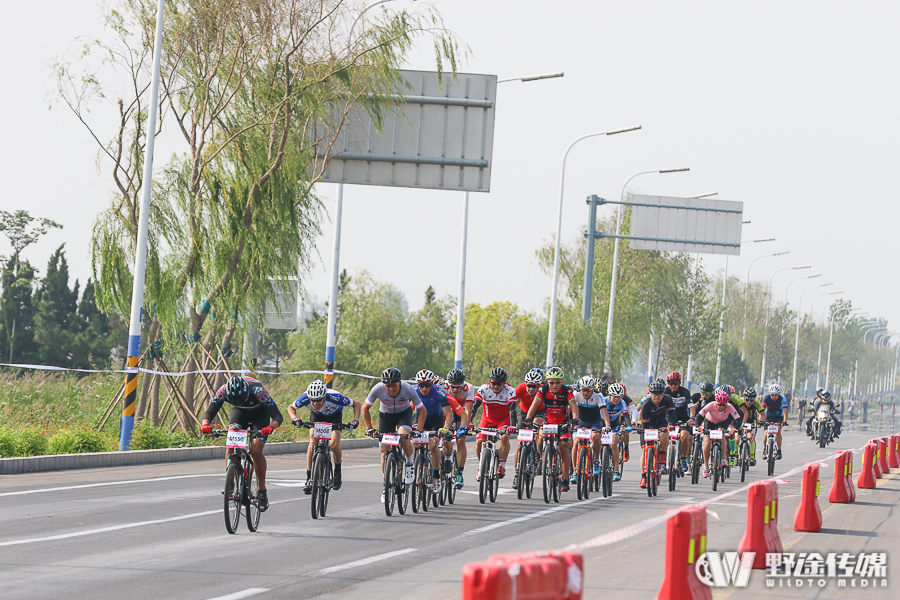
{"type": "Point", "coordinates": [255, 92]}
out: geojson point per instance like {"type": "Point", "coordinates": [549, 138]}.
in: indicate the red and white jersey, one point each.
{"type": "Point", "coordinates": [467, 389]}
{"type": "Point", "coordinates": [496, 405]}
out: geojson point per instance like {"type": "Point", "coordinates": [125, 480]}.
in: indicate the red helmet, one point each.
{"type": "Point", "coordinates": [673, 377]}
{"type": "Point", "coordinates": [722, 397]}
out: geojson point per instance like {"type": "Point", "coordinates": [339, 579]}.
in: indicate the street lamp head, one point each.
{"type": "Point", "coordinates": [544, 76]}
{"type": "Point", "coordinates": [782, 253]}
{"type": "Point", "coordinates": [679, 170]}
{"type": "Point", "coordinates": [625, 130]}
{"type": "Point", "coordinates": [763, 240]}
{"type": "Point", "coordinates": [804, 267]}
{"type": "Point", "coordinates": [706, 195]}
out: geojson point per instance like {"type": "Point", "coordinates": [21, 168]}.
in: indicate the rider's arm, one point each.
{"type": "Point", "coordinates": [420, 424]}
{"type": "Point", "coordinates": [214, 406]}
{"type": "Point", "coordinates": [513, 414]}
{"type": "Point", "coordinates": [532, 410]}
{"type": "Point", "coordinates": [573, 406]}
{"type": "Point", "coordinates": [366, 415]}
{"type": "Point", "coordinates": [605, 415]}
{"type": "Point", "coordinates": [357, 407]}
{"type": "Point", "coordinates": [271, 408]}
{"type": "Point", "coordinates": [448, 416]}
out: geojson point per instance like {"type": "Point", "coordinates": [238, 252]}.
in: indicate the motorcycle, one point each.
{"type": "Point", "coordinates": [823, 427]}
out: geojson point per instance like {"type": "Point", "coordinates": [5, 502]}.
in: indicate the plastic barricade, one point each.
{"type": "Point", "coordinates": [761, 535]}
{"type": "Point", "coordinates": [894, 451]}
{"type": "Point", "coordinates": [884, 446]}
{"type": "Point", "coordinates": [842, 490]}
{"type": "Point", "coordinates": [808, 516]}
{"type": "Point", "coordinates": [867, 473]}
{"type": "Point", "coordinates": [876, 460]}
{"type": "Point", "coordinates": [530, 576]}
{"type": "Point", "coordinates": [685, 543]}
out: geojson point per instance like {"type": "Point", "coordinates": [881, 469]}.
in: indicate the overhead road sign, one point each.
{"type": "Point", "coordinates": [672, 224]}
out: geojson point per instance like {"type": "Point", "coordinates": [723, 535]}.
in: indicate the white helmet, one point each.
{"type": "Point", "coordinates": [774, 389]}
{"type": "Point", "coordinates": [316, 390]}
{"type": "Point", "coordinates": [586, 382]}
{"type": "Point", "coordinates": [616, 389]}
{"type": "Point", "coordinates": [534, 376]}
{"type": "Point", "coordinates": [424, 375]}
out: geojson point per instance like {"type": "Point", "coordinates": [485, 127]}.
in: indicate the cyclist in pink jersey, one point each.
{"type": "Point", "coordinates": [718, 415]}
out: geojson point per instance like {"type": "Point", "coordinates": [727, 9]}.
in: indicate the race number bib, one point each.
{"type": "Point", "coordinates": [236, 439]}
{"type": "Point", "coordinates": [773, 428]}
{"type": "Point", "coordinates": [421, 437]}
{"type": "Point", "coordinates": [747, 426]}
{"type": "Point", "coordinates": [606, 438]}
{"type": "Point", "coordinates": [550, 428]}
{"type": "Point", "coordinates": [322, 431]}
{"type": "Point", "coordinates": [526, 435]}
{"type": "Point", "coordinates": [698, 431]}
{"type": "Point", "coordinates": [582, 434]}
{"type": "Point", "coordinates": [715, 434]}
{"type": "Point", "coordinates": [390, 439]}
{"type": "Point", "coordinates": [651, 435]}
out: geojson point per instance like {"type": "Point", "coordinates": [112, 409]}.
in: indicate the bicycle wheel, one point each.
{"type": "Point", "coordinates": [671, 458]}
{"type": "Point", "coordinates": [252, 514]}
{"type": "Point", "coordinates": [715, 462]}
{"type": "Point", "coordinates": [316, 485]}
{"type": "Point", "coordinates": [494, 481]}
{"type": "Point", "coordinates": [653, 473]}
{"type": "Point", "coordinates": [326, 485]}
{"type": "Point", "coordinates": [606, 471]}
{"type": "Point", "coordinates": [401, 487]}
{"type": "Point", "coordinates": [532, 460]}
{"type": "Point", "coordinates": [522, 471]}
{"type": "Point", "coordinates": [744, 459]}
{"type": "Point", "coordinates": [390, 489]}
{"type": "Point", "coordinates": [418, 486]}
{"type": "Point", "coordinates": [770, 448]}
{"type": "Point", "coordinates": [234, 493]}
{"type": "Point", "coordinates": [548, 474]}
{"type": "Point", "coordinates": [585, 470]}
{"type": "Point", "coordinates": [556, 470]}
{"type": "Point", "coordinates": [427, 494]}
{"type": "Point", "coordinates": [451, 483]}
{"type": "Point", "coordinates": [696, 460]}
{"type": "Point", "coordinates": [484, 467]}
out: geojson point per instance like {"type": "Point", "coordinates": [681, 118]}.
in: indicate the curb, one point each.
{"type": "Point", "coordinates": [92, 460]}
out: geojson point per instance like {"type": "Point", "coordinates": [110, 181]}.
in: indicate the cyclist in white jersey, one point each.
{"type": "Point", "coordinates": [463, 392]}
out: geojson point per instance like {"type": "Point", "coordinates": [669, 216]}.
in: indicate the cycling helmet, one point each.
{"type": "Point", "coordinates": [456, 377]}
{"type": "Point", "coordinates": [534, 376]}
{"type": "Point", "coordinates": [586, 382]}
{"type": "Point", "coordinates": [707, 386]}
{"type": "Point", "coordinates": [498, 374]}
{"type": "Point", "coordinates": [616, 389]}
{"type": "Point", "coordinates": [774, 389]}
{"type": "Point", "coordinates": [316, 390]}
{"type": "Point", "coordinates": [439, 381]}
{"type": "Point", "coordinates": [657, 387]}
{"type": "Point", "coordinates": [728, 389]}
{"type": "Point", "coordinates": [750, 393]}
{"type": "Point", "coordinates": [554, 373]}
{"type": "Point", "coordinates": [425, 376]}
{"type": "Point", "coordinates": [673, 377]}
{"type": "Point", "coordinates": [603, 387]}
{"type": "Point", "coordinates": [826, 394]}
{"type": "Point", "coordinates": [819, 390]}
{"type": "Point", "coordinates": [624, 389]}
{"type": "Point", "coordinates": [722, 397]}
{"type": "Point", "coordinates": [391, 375]}
{"type": "Point", "coordinates": [237, 390]}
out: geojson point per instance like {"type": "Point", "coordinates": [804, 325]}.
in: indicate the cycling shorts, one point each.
{"type": "Point", "coordinates": [492, 424]}
{"type": "Point", "coordinates": [391, 422]}
{"type": "Point", "coordinates": [335, 419]}
{"type": "Point", "coordinates": [433, 423]}
{"type": "Point", "coordinates": [778, 419]}
{"type": "Point", "coordinates": [595, 425]}
{"type": "Point", "coordinates": [250, 417]}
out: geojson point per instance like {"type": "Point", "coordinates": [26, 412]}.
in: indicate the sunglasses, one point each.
{"type": "Point", "coordinates": [656, 393]}
{"type": "Point", "coordinates": [424, 384]}
{"type": "Point", "coordinates": [554, 381]}
{"type": "Point", "coordinates": [531, 386]}
{"type": "Point", "coordinates": [455, 387]}
{"type": "Point", "coordinates": [391, 383]}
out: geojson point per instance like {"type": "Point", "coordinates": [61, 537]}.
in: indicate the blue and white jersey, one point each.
{"type": "Point", "coordinates": [435, 400]}
{"type": "Point", "coordinates": [614, 410]}
{"type": "Point", "coordinates": [589, 408]}
{"type": "Point", "coordinates": [774, 406]}
{"type": "Point", "coordinates": [334, 403]}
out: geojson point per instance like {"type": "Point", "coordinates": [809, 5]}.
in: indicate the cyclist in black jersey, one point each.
{"type": "Point", "coordinates": [684, 411]}
{"type": "Point", "coordinates": [657, 413]}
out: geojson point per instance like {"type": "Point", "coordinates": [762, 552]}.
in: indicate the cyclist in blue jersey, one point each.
{"type": "Point", "coordinates": [438, 415]}
{"type": "Point", "coordinates": [776, 412]}
{"type": "Point", "coordinates": [590, 410]}
{"type": "Point", "coordinates": [619, 417]}
{"type": "Point", "coordinates": [325, 406]}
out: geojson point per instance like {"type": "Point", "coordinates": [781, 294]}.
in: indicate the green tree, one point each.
{"type": "Point", "coordinates": [55, 321]}
{"type": "Point", "coordinates": [431, 334]}
{"type": "Point", "coordinates": [497, 335]}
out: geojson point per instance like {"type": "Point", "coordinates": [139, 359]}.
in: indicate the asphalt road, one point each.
{"type": "Point", "coordinates": [157, 532]}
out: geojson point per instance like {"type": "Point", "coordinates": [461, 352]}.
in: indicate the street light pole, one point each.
{"type": "Point", "coordinates": [830, 340]}
{"type": "Point", "coordinates": [797, 337]}
{"type": "Point", "coordinates": [746, 287]}
{"type": "Point", "coordinates": [762, 374]}
{"type": "Point", "coordinates": [551, 337]}
{"type": "Point", "coordinates": [615, 267]}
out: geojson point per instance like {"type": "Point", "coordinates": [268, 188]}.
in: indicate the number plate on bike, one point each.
{"type": "Point", "coordinates": [550, 428]}
{"type": "Point", "coordinates": [582, 433]}
{"type": "Point", "coordinates": [715, 434]}
{"type": "Point", "coordinates": [698, 431]}
{"type": "Point", "coordinates": [606, 438]}
{"type": "Point", "coordinates": [747, 426]}
{"type": "Point", "coordinates": [772, 429]}
{"type": "Point", "coordinates": [526, 435]}
{"type": "Point", "coordinates": [651, 435]}
{"type": "Point", "coordinates": [420, 438]}
{"type": "Point", "coordinates": [390, 439]}
{"type": "Point", "coordinates": [322, 431]}
{"type": "Point", "coordinates": [236, 439]}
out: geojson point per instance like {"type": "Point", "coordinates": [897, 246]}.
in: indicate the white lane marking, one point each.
{"type": "Point", "coordinates": [364, 561]}
{"type": "Point", "coordinates": [242, 594]}
{"type": "Point", "coordinates": [63, 536]}
{"type": "Point", "coordinates": [150, 480]}
{"type": "Point", "coordinates": [527, 517]}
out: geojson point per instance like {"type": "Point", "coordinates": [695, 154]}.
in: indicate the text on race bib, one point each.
{"type": "Point", "coordinates": [715, 434]}
{"type": "Point", "coordinates": [421, 437]}
{"type": "Point", "coordinates": [390, 439]}
{"type": "Point", "coordinates": [772, 428]}
{"type": "Point", "coordinates": [651, 435]}
{"type": "Point", "coordinates": [606, 438]}
{"type": "Point", "coordinates": [526, 435]}
{"type": "Point", "coordinates": [236, 439]}
{"type": "Point", "coordinates": [550, 428]}
{"type": "Point", "coordinates": [583, 433]}
{"type": "Point", "coordinates": [322, 431]}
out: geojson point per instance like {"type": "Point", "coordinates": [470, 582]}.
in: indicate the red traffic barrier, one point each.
{"type": "Point", "coordinates": [876, 460]}
{"type": "Point", "coordinates": [685, 543]}
{"type": "Point", "coordinates": [894, 451]}
{"type": "Point", "coordinates": [842, 488]}
{"type": "Point", "coordinates": [808, 516]}
{"type": "Point", "coordinates": [531, 576]}
{"type": "Point", "coordinates": [761, 535]}
{"type": "Point", "coordinates": [867, 475]}
{"type": "Point", "coordinates": [884, 447]}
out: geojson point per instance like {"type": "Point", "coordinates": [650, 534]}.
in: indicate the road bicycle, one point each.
{"type": "Point", "coordinates": [673, 457]}
{"type": "Point", "coordinates": [422, 487]}
{"type": "Point", "coordinates": [606, 463]}
{"type": "Point", "coordinates": [696, 460]}
{"type": "Point", "coordinates": [716, 466]}
{"type": "Point", "coordinates": [322, 473]}
{"type": "Point", "coordinates": [240, 485]}
{"type": "Point", "coordinates": [552, 464]}
{"type": "Point", "coordinates": [529, 458]}
{"type": "Point", "coordinates": [489, 463]}
{"type": "Point", "coordinates": [771, 446]}
{"type": "Point", "coordinates": [584, 465]}
{"type": "Point", "coordinates": [744, 450]}
{"type": "Point", "coordinates": [449, 470]}
{"type": "Point", "coordinates": [395, 488]}
{"type": "Point", "coordinates": [651, 459]}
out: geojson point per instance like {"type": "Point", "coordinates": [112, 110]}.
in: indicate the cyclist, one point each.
{"type": "Point", "coordinates": [252, 406]}
{"type": "Point", "coordinates": [557, 400]}
{"type": "Point", "coordinates": [720, 414]}
{"type": "Point", "coordinates": [776, 412]}
{"type": "Point", "coordinates": [619, 417]}
{"type": "Point", "coordinates": [395, 414]}
{"type": "Point", "coordinates": [439, 414]}
{"type": "Point", "coordinates": [656, 413]}
{"type": "Point", "coordinates": [826, 401]}
{"type": "Point", "coordinates": [754, 410]}
{"type": "Point", "coordinates": [684, 411]}
{"type": "Point", "coordinates": [463, 392]}
{"type": "Point", "coordinates": [633, 417]}
{"type": "Point", "coordinates": [496, 395]}
{"type": "Point", "coordinates": [590, 412]}
{"type": "Point", "coordinates": [525, 394]}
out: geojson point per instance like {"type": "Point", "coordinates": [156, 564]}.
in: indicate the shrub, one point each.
{"type": "Point", "coordinates": [29, 441]}
{"type": "Point", "coordinates": [147, 437]}
{"type": "Point", "coordinates": [7, 444]}
{"type": "Point", "coordinates": [79, 439]}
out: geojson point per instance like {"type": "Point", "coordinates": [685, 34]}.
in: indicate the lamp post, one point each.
{"type": "Point", "coordinates": [812, 312]}
{"type": "Point", "coordinates": [797, 337]}
{"type": "Point", "coordinates": [746, 286]}
{"type": "Point", "coordinates": [615, 267]}
{"type": "Point", "coordinates": [552, 332]}
{"type": "Point", "coordinates": [461, 299]}
{"type": "Point", "coordinates": [831, 339]}
{"type": "Point", "coordinates": [762, 373]}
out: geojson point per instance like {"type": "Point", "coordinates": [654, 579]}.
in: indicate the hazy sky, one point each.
{"type": "Point", "coordinates": [791, 108]}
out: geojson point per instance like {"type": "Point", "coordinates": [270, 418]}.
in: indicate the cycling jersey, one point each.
{"type": "Point", "coordinates": [496, 404]}
{"type": "Point", "coordinates": [435, 401]}
{"type": "Point", "coordinates": [394, 404]}
{"type": "Point", "coordinates": [589, 408]}
{"type": "Point", "coordinates": [556, 403]}
{"type": "Point", "coordinates": [657, 416]}
{"type": "Point", "coordinates": [614, 410]}
{"type": "Point", "coordinates": [467, 388]}
{"type": "Point", "coordinates": [774, 407]}
{"type": "Point", "coordinates": [258, 400]}
{"type": "Point", "coordinates": [683, 403]}
{"type": "Point", "coordinates": [334, 403]}
{"type": "Point", "coordinates": [753, 409]}
{"type": "Point", "coordinates": [717, 416]}
{"type": "Point", "coordinates": [525, 400]}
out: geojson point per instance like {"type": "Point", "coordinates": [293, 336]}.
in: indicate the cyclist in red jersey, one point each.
{"type": "Point", "coordinates": [557, 399]}
{"type": "Point", "coordinates": [463, 392]}
{"type": "Point", "coordinates": [496, 396]}
{"type": "Point", "coordinates": [525, 394]}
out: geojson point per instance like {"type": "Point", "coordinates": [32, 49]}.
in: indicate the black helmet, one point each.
{"type": "Point", "coordinates": [498, 374]}
{"type": "Point", "coordinates": [826, 394]}
{"type": "Point", "coordinates": [456, 377]}
{"type": "Point", "coordinates": [707, 386]}
{"type": "Point", "coordinates": [391, 375]}
{"type": "Point", "coordinates": [237, 390]}
{"type": "Point", "coordinates": [750, 393]}
{"type": "Point", "coordinates": [657, 387]}
{"type": "Point", "coordinates": [604, 388]}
